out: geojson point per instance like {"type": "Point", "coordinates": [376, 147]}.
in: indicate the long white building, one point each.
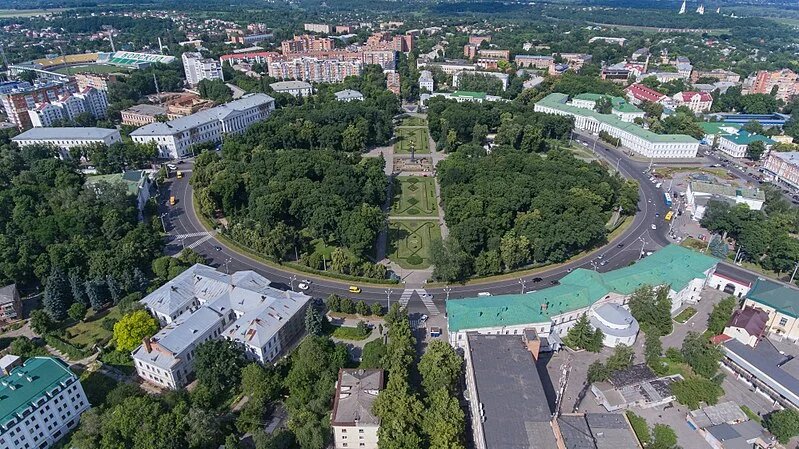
{"type": "Point", "coordinates": [202, 304]}
{"type": "Point", "coordinates": [640, 140]}
{"type": "Point", "coordinates": [175, 138]}
{"type": "Point", "coordinates": [198, 68]}
{"type": "Point", "coordinates": [66, 138]}
{"type": "Point", "coordinates": [42, 400]}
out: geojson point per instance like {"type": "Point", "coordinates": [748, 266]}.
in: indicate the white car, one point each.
{"type": "Point", "coordinates": [654, 227]}
{"type": "Point", "coordinates": [423, 318]}
{"type": "Point", "coordinates": [172, 166]}
{"type": "Point", "coordinates": [484, 294]}
{"type": "Point", "coordinates": [304, 285]}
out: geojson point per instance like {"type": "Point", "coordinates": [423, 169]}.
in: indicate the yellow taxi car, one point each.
{"type": "Point", "coordinates": [354, 289]}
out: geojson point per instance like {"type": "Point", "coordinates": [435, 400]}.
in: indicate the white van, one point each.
{"type": "Point", "coordinates": [657, 186]}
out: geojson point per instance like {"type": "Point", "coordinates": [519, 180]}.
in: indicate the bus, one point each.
{"type": "Point", "coordinates": [667, 199]}
{"type": "Point", "coordinates": [669, 214]}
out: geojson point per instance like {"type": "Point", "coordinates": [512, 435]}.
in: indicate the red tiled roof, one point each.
{"type": "Point", "coordinates": [719, 339]}
{"type": "Point", "coordinates": [703, 96]}
{"type": "Point", "coordinates": [642, 92]}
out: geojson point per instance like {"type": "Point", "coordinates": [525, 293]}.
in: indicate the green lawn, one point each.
{"type": "Point", "coordinates": [86, 334]}
{"type": "Point", "coordinates": [350, 333]}
{"type": "Point", "coordinates": [410, 241]}
{"type": "Point", "coordinates": [685, 315]}
{"type": "Point", "coordinates": [414, 121]}
{"type": "Point", "coordinates": [414, 196]}
{"type": "Point", "coordinates": [92, 68]}
{"type": "Point", "coordinates": [404, 137]}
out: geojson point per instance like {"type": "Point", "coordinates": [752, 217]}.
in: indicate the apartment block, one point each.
{"type": "Point", "coordinates": [318, 70]}
{"type": "Point", "coordinates": [785, 81]}
{"type": "Point", "coordinates": [68, 107]}
{"type": "Point", "coordinates": [42, 402]}
{"type": "Point", "coordinates": [202, 304]}
{"type": "Point", "coordinates": [318, 28]}
{"type": "Point", "coordinates": [19, 100]}
{"type": "Point", "coordinates": [198, 68]}
{"type": "Point", "coordinates": [784, 167]}
{"type": "Point", "coordinates": [95, 80]}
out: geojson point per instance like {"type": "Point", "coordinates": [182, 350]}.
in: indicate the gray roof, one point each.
{"type": "Point", "coordinates": [347, 94]}
{"type": "Point", "coordinates": [511, 393]}
{"type": "Point", "coordinates": [789, 157]}
{"type": "Point", "coordinates": [356, 391]}
{"type": "Point", "coordinates": [712, 415]}
{"type": "Point", "coordinates": [8, 293]}
{"type": "Point", "coordinates": [737, 436]}
{"type": "Point", "coordinates": [188, 122]}
{"type": "Point", "coordinates": [65, 134]}
{"type": "Point", "coordinates": [177, 337]}
{"type": "Point", "coordinates": [728, 191]}
{"type": "Point", "coordinates": [766, 359]}
{"type": "Point", "coordinates": [575, 432]}
{"type": "Point", "coordinates": [736, 274]}
{"type": "Point", "coordinates": [146, 109]}
{"type": "Point", "coordinates": [597, 431]}
{"type": "Point", "coordinates": [616, 316]}
{"type": "Point", "coordinates": [289, 85]}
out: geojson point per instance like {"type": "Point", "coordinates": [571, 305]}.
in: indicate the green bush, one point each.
{"type": "Point", "coordinates": [640, 427]}
{"type": "Point", "coordinates": [72, 352]}
{"type": "Point", "coordinates": [414, 259]}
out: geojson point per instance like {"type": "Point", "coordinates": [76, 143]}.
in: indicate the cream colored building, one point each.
{"type": "Point", "coordinates": [782, 305]}
{"type": "Point", "coordinates": [353, 422]}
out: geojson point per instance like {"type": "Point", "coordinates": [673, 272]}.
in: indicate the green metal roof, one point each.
{"type": "Point", "coordinates": [672, 265]}
{"type": "Point", "coordinates": [777, 296]}
{"type": "Point", "coordinates": [131, 180]}
{"type": "Point", "coordinates": [745, 138]}
{"type": "Point", "coordinates": [465, 93]}
{"type": "Point", "coordinates": [620, 104]}
{"type": "Point", "coordinates": [27, 383]}
{"type": "Point", "coordinates": [558, 101]}
{"type": "Point", "coordinates": [715, 128]}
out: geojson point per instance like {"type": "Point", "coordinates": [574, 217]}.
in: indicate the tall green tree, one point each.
{"type": "Point", "coordinates": [218, 365]}
{"type": "Point", "coordinates": [57, 295]}
{"type": "Point", "coordinates": [722, 311]}
{"type": "Point", "coordinates": [314, 321]}
{"type": "Point", "coordinates": [440, 367]}
{"type": "Point", "coordinates": [701, 355]}
{"type": "Point", "coordinates": [783, 424]}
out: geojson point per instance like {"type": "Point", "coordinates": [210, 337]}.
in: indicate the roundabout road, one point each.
{"type": "Point", "coordinates": [181, 220]}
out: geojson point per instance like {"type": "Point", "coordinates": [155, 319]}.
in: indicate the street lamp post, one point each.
{"type": "Point", "coordinates": [388, 292]}
{"type": "Point", "coordinates": [291, 281]}
{"type": "Point", "coordinates": [643, 243]}
{"type": "Point", "coordinates": [522, 282]}
{"type": "Point", "coordinates": [227, 261]}
{"type": "Point", "coordinates": [162, 221]}
{"type": "Point", "coordinates": [447, 289]}
{"type": "Point", "coordinates": [794, 271]}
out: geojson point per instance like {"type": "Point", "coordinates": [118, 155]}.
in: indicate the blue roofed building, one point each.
{"type": "Point", "coordinates": [552, 311]}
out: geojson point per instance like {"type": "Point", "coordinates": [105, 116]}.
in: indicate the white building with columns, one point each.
{"type": "Point", "coordinates": [640, 140]}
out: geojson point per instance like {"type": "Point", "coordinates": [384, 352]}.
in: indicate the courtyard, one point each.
{"type": "Point", "coordinates": [414, 196]}
{"type": "Point", "coordinates": [410, 242]}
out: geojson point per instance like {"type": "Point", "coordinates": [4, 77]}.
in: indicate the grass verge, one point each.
{"type": "Point", "coordinates": [350, 333]}
{"type": "Point", "coordinates": [685, 315]}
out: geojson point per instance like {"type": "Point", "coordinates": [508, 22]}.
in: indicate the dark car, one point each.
{"type": "Point", "coordinates": [537, 279]}
{"type": "Point", "coordinates": [554, 282]}
{"type": "Point", "coordinates": [620, 245]}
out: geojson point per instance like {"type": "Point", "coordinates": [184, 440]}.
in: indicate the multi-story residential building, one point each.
{"type": "Point", "coordinates": [295, 88]}
{"type": "Point", "coordinates": [697, 102]}
{"type": "Point", "coordinates": [684, 67]}
{"type": "Point", "coordinates": [387, 59]}
{"type": "Point", "coordinates": [354, 423]}
{"type": "Point", "coordinates": [202, 304]}
{"type": "Point", "coordinates": [426, 80]}
{"type": "Point", "coordinates": [250, 37]}
{"type": "Point", "coordinates": [640, 140]}
{"type": "Point", "coordinates": [306, 43]}
{"type": "Point", "coordinates": [735, 145]}
{"type": "Point", "coordinates": [477, 40]}
{"type": "Point", "coordinates": [638, 93]}
{"type": "Point", "coordinates": [784, 167]}
{"type": "Point", "coordinates": [620, 41]}
{"type": "Point", "coordinates": [535, 61]}
{"type": "Point", "coordinates": [142, 114]}
{"type": "Point", "coordinates": [66, 138]}
{"type": "Point", "coordinates": [96, 80]}
{"type": "Point", "coordinates": [19, 100]}
{"type": "Point", "coordinates": [176, 138]}
{"type": "Point", "coordinates": [502, 55]}
{"type": "Point", "coordinates": [576, 61]}
{"type": "Point", "coordinates": [470, 51]}
{"type": "Point", "coordinates": [318, 28]}
{"type": "Point", "coordinates": [317, 70]}
{"type": "Point", "coordinates": [393, 82]}
{"type": "Point", "coordinates": [698, 194]}
{"type": "Point", "coordinates": [68, 107]}
{"type": "Point", "coordinates": [261, 57]}
{"type": "Point", "coordinates": [450, 67]}
{"type": "Point", "coordinates": [720, 74]}
{"type": "Point", "coordinates": [551, 312]}
{"type": "Point", "coordinates": [387, 41]}
{"type": "Point", "coordinates": [198, 68]}
{"type": "Point", "coordinates": [42, 402]}
{"type": "Point", "coordinates": [9, 86]}
{"type": "Point", "coordinates": [10, 303]}
{"type": "Point", "coordinates": [785, 81]}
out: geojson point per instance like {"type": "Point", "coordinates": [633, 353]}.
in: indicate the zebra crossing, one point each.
{"type": "Point", "coordinates": [426, 298]}
{"type": "Point", "coordinates": [193, 234]}
{"type": "Point", "coordinates": [200, 241]}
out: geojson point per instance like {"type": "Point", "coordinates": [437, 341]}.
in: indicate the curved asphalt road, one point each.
{"type": "Point", "coordinates": [181, 219]}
